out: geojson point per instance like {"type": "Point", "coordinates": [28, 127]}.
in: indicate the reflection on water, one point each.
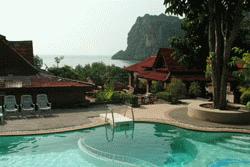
{"type": "Point", "coordinates": [157, 144]}
{"type": "Point", "coordinates": [127, 129]}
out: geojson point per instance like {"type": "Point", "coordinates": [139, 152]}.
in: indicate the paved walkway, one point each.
{"type": "Point", "coordinates": [74, 119]}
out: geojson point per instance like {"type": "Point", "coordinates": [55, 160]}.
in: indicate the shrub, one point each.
{"type": "Point", "coordinates": [177, 89]}
{"type": "Point", "coordinates": [156, 87]}
{"type": "Point", "coordinates": [118, 97]}
{"type": "Point", "coordinates": [134, 101]}
{"type": "Point", "coordinates": [100, 97]}
{"type": "Point", "coordinates": [164, 96]}
{"type": "Point", "coordinates": [105, 96]}
{"type": "Point", "coordinates": [248, 105]}
{"type": "Point", "coordinates": [194, 89]}
{"type": "Point", "coordinates": [245, 97]}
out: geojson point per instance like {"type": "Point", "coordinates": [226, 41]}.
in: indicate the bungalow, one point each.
{"type": "Point", "coordinates": [18, 76]}
{"type": "Point", "coordinates": [162, 68]}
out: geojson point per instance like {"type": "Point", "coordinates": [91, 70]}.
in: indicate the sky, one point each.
{"type": "Point", "coordinates": [74, 27]}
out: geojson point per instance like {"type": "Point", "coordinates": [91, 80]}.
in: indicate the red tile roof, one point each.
{"type": "Point", "coordinates": [56, 82]}
{"type": "Point", "coordinates": [154, 69]}
{"type": "Point", "coordinates": [138, 67]}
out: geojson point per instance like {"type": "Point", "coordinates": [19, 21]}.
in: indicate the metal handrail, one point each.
{"type": "Point", "coordinates": [112, 113]}
{"type": "Point", "coordinates": [132, 112]}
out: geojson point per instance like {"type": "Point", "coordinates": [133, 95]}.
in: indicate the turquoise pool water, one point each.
{"type": "Point", "coordinates": [143, 144]}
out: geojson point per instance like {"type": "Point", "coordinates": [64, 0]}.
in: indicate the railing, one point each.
{"type": "Point", "coordinates": [132, 112]}
{"type": "Point", "coordinates": [112, 113]}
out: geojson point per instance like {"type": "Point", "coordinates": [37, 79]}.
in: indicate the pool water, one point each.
{"type": "Point", "coordinates": [143, 144]}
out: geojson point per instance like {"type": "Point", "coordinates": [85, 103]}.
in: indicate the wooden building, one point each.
{"type": "Point", "coordinates": [162, 68]}
{"type": "Point", "coordinates": [18, 76]}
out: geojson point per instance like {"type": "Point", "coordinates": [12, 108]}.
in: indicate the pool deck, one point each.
{"type": "Point", "coordinates": [74, 119]}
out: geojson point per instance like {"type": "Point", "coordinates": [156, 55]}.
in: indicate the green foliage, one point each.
{"type": "Point", "coordinates": [248, 105]}
{"type": "Point", "coordinates": [38, 62]}
{"type": "Point", "coordinates": [105, 96]}
{"type": "Point", "coordinates": [194, 89]}
{"type": "Point", "coordinates": [134, 101]}
{"type": "Point", "coordinates": [118, 97]}
{"type": "Point", "coordinates": [164, 96]}
{"type": "Point", "coordinates": [142, 84]}
{"type": "Point", "coordinates": [108, 95]}
{"type": "Point", "coordinates": [99, 73]}
{"type": "Point", "coordinates": [192, 48]}
{"type": "Point", "coordinates": [116, 74]}
{"type": "Point", "coordinates": [245, 97]}
{"type": "Point", "coordinates": [208, 72]}
{"type": "Point", "coordinates": [65, 72]}
{"type": "Point", "coordinates": [156, 87]}
{"type": "Point", "coordinates": [241, 59]}
{"type": "Point", "coordinates": [58, 60]}
{"type": "Point", "coordinates": [148, 34]}
{"type": "Point", "coordinates": [177, 89]}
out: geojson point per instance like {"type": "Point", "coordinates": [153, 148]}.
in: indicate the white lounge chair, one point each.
{"type": "Point", "coordinates": [43, 103]}
{"type": "Point", "coordinates": [27, 103]}
{"type": "Point", "coordinates": [10, 105]}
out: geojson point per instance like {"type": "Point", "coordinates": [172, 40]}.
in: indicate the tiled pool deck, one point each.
{"type": "Point", "coordinates": [75, 119]}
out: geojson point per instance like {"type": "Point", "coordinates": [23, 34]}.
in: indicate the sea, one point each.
{"type": "Point", "coordinates": [83, 60]}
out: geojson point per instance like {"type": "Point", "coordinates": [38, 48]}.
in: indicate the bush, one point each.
{"type": "Point", "coordinates": [245, 97]}
{"type": "Point", "coordinates": [118, 97]}
{"type": "Point", "coordinates": [100, 97]}
{"type": "Point", "coordinates": [194, 89]}
{"type": "Point", "coordinates": [134, 101]}
{"type": "Point", "coordinates": [177, 89]}
{"type": "Point", "coordinates": [156, 87]}
{"type": "Point", "coordinates": [105, 96]}
{"type": "Point", "coordinates": [164, 96]}
{"type": "Point", "coordinates": [248, 105]}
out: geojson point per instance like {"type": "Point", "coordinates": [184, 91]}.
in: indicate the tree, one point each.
{"type": "Point", "coordinates": [58, 60]}
{"type": "Point", "coordinates": [38, 62]}
{"type": "Point", "coordinates": [64, 72]}
{"type": "Point", "coordinates": [192, 48]}
{"type": "Point", "coordinates": [224, 18]}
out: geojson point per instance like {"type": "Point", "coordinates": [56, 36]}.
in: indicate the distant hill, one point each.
{"type": "Point", "coordinates": [148, 34]}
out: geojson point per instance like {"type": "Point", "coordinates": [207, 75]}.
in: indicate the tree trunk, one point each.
{"type": "Point", "coordinates": [212, 55]}
{"type": "Point", "coordinates": [220, 43]}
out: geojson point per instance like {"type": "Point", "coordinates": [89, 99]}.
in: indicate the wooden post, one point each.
{"type": "Point", "coordinates": [131, 80]}
{"type": "Point", "coordinates": [149, 83]}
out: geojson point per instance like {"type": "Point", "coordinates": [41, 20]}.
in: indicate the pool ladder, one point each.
{"type": "Point", "coordinates": [113, 117]}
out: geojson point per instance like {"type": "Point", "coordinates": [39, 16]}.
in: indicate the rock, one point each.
{"type": "Point", "coordinates": [148, 34]}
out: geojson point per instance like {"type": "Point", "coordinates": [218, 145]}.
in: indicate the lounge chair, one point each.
{"type": "Point", "coordinates": [27, 103]}
{"type": "Point", "coordinates": [10, 105]}
{"type": "Point", "coordinates": [43, 103]}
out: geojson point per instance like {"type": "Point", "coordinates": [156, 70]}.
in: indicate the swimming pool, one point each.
{"type": "Point", "coordinates": [143, 144]}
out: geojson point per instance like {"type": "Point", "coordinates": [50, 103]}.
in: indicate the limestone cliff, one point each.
{"type": "Point", "coordinates": [148, 34]}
